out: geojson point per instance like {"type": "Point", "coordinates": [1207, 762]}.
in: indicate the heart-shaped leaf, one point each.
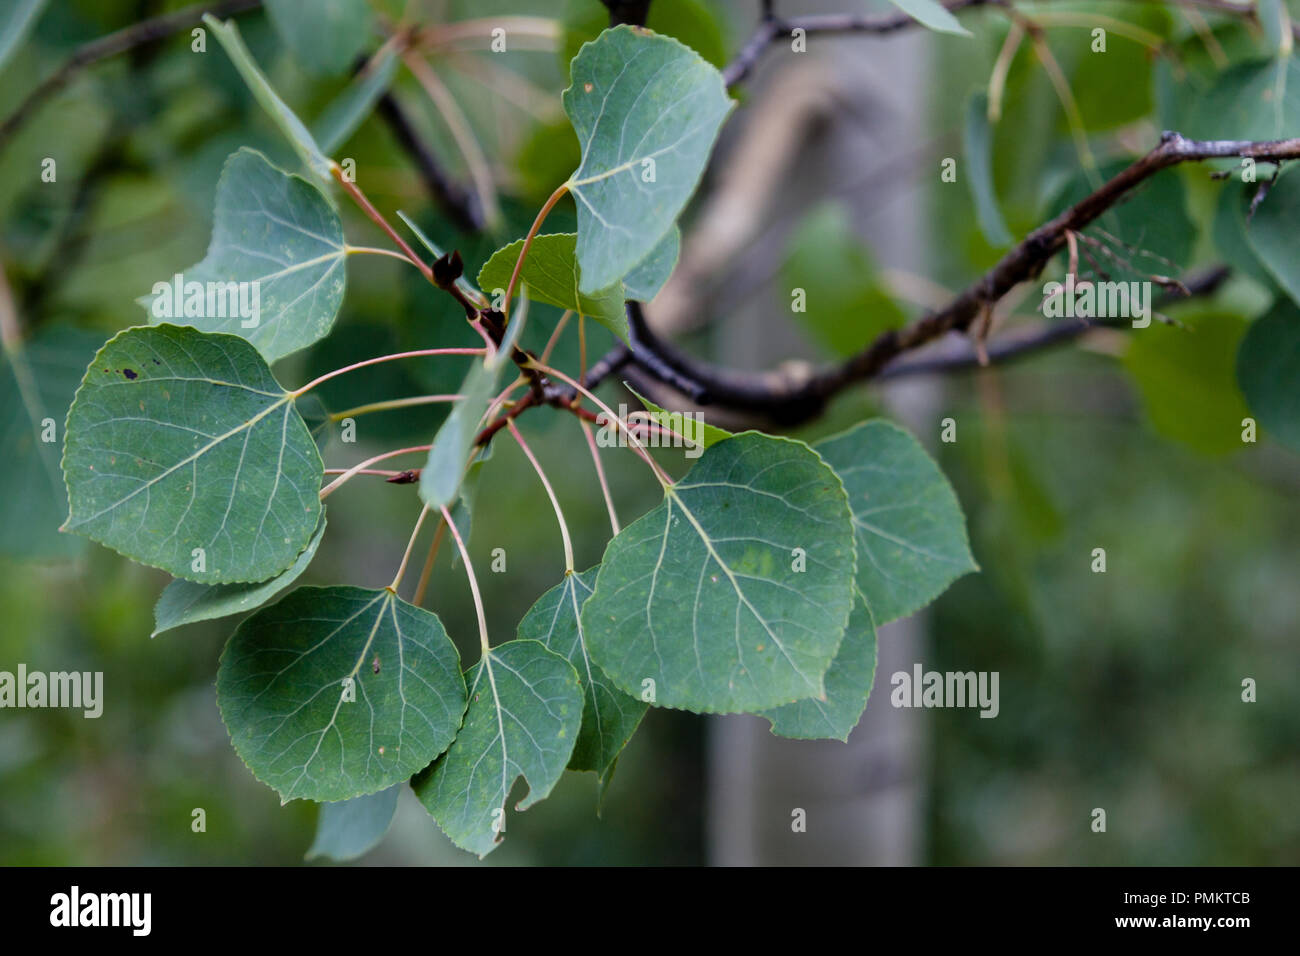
{"type": "Point", "coordinates": [1268, 368]}
{"type": "Point", "coordinates": [274, 270]}
{"type": "Point", "coordinates": [183, 452]}
{"type": "Point", "coordinates": [184, 602]}
{"type": "Point", "coordinates": [348, 829]}
{"type": "Point", "coordinates": [644, 282]}
{"type": "Point", "coordinates": [551, 274]}
{"type": "Point", "coordinates": [647, 111]}
{"type": "Point", "coordinates": [336, 692]}
{"type": "Point", "coordinates": [609, 716]}
{"type": "Point", "coordinates": [907, 522]}
{"type": "Point", "coordinates": [1272, 233]}
{"type": "Point", "coordinates": [848, 684]}
{"type": "Point", "coordinates": [733, 594]}
{"type": "Point", "coordinates": [525, 710]}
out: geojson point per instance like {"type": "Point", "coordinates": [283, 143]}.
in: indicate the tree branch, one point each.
{"type": "Point", "coordinates": [789, 399]}
{"type": "Point", "coordinates": [1055, 333]}
{"type": "Point", "coordinates": [627, 11]}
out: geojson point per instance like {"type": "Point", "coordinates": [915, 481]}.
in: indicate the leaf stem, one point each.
{"type": "Point", "coordinates": [378, 219]}
{"type": "Point", "coordinates": [379, 472]}
{"type": "Point", "coordinates": [555, 335]}
{"type": "Point", "coordinates": [392, 403]}
{"type": "Point", "coordinates": [528, 241]}
{"type": "Point", "coordinates": [375, 251]}
{"type": "Point", "coordinates": [427, 571]}
{"type": "Point", "coordinates": [600, 475]}
{"type": "Point", "coordinates": [659, 473]}
{"type": "Point", "coordinates": [357, 469]}
{"type": "Point", "coordinates": [418, 353]}
{"type": "Point", "coordinates": [410, 545]}
{"type": "Point", "coordinates": [473, 582]}
{"type": "Point", "coordinates": [550, 493]}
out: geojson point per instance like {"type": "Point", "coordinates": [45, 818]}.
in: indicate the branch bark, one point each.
{"type": "Point", "coordinates": [787, 398]}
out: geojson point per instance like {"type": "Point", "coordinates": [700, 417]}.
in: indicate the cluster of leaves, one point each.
{"type": "Point", "coordinates": [755, 586]}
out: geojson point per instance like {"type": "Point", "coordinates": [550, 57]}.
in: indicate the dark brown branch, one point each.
{"type": "Point", "coordinates": [627, 11]}
{"type": "Point", "coordinates": [1057, 333]}
{"type": "Point", "coordinates": [129, 38]}
{"type": "Point", "coordinates": [788, 401]}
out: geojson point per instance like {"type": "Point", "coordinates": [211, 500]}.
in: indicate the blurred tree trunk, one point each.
{"type": "Point", "coordinates": [863, 799]}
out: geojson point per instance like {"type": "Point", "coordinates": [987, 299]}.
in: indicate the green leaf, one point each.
{"type": "Point", "coordinates": [844, 302]}
{"type": "Point", "coordinates": [292, 127]}
{"type": "Point", "coordinates": [525, 710]}
{"type": "Point", "coordinates": [552, 276]}
{"type": "Point", "coordinates": [345, 114]}
{"type": "Point", "coordinates": [1272, 233]}
{"type": "Point", "coordinates": [15, 21]}
{"type": "Point", "coordinates": [908, 524]}
{"type": "Point", "coordinates": [1268, 368]}
{"type": "Point", "coordinates": [1187, 381]}
{"type": "Point", "coordinates": [1258, 100]}
{"type": "Point", "coordinates": [184, 602]}
{"type": "Point", "coordinates": [288, 671]}
{"type": "Point", "coordinates": [978, 147]}
{"type": "Point", "coordinates": [707, 434]}
{"type": "Point", "coordinates": [644, 282]}
{"type": "Point", "coordinates": [348, 829]}
{"type": "Point", "coordinates": [279, 233]}
{"type": "Point", "coordinates": [444, 469]}
{"type": "Point", "coordinates": [848, 684]}
{"type": "Point", "coordinates": [609, 716]}
{"type": "Point", "coordinates": [326, 36]}
{"type": "Point", "coordinates": [646, 110]}
{"type": "Point", "coordinates": [932, 14]}
{"type": "Point", "coordinates": [1230, 232]}
{"type": "Point", "coordinates": [180, 440]}
{"type": "Point", "coordinates": [707, 596]}
{"type": "Point", "coordinates": [37, 382]}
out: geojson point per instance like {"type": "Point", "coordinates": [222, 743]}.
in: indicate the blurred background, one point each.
{"type": "Point", "coordinates": [1120, 690]}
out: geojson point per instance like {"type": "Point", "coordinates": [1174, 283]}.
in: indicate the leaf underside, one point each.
{"type": "Point", "coordinates": [609, 716]}
{"type": "Point", "coordinates": [525, 709]}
